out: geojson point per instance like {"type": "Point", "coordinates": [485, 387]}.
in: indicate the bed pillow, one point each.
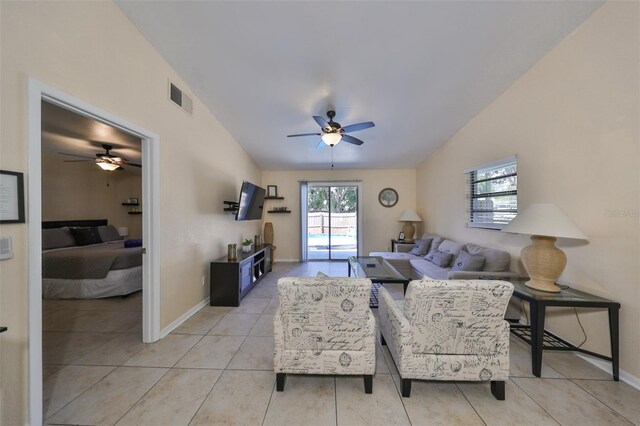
{"type": "Point", "coordinates": [57, 238]}
{"type": "Point", "coordinates": [468, 262]}
{"type": "Point", "coordinates": [439, 258]}
{"type": "Point", "coordinates": [133, 243]}
{"type": "Point", "coordinates": [108, 233]}
{"type": "Point", "coordinates": [421, 247]}
{"type": "Point", "coordinates": [86, 236]}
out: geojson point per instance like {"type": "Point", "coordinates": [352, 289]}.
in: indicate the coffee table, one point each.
{"type": "Point", "coordinates": [378, 270]}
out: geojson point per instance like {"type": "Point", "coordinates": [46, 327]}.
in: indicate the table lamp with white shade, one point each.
{"type": "Point", "coordinates": [409, 217]}
{"type": "Point", "coordinates": [543, 261]}
{"type": "Point", "coordinates": [123, 231]}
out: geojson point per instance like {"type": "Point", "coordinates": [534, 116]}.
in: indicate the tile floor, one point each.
{"type": "Point", "coordinates": [217, 368]}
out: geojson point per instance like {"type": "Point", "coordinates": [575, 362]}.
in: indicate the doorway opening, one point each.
{"type": "Point", "coordinates": [332, 221]}
{"type": "Point", "coordinates": [150, 177]}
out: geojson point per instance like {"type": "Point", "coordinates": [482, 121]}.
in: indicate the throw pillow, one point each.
{"type": "Point", "coordinates": [421, 247]}
{"type": "Point", "coordinates": [108, 233]}
{"type": "Point", "coordinates": [468, 262]}
{"type": "Point", "coordinates": [86, 236]}
{"type": "Point", "coordinates": [439, 258]}
{"type": "Point", "coordinates": [133, 243]}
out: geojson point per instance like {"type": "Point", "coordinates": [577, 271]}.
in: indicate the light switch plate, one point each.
{"type": "Point", "coordinates": [6, 252]}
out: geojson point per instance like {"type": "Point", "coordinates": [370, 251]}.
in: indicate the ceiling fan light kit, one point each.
{"type": "Point", "coordinates": [331, 139]}
{"type": "Point", "coordinates": [105, 160]}
{"type": "Point", "coordinates": [107, 166]}
{"type": "Point", "coordinates": [333, 132]}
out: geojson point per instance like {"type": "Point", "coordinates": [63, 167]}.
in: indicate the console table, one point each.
{"type": "Point", "coordinates": [540, 339]}
{"type": "Point", "coordinates": [231, 280]}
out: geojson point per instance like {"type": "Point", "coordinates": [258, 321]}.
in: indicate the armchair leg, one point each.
{"type": "Point", "coordinates": [406, 387]}
{"type": "Point", "coordinates": [368, 383]}
{"type": "Point", "coordinates": [280, 381]}
{"type": "Point", "coordinates": [382, 341]}
{"type": "Point", "coordinates": [497, 389]}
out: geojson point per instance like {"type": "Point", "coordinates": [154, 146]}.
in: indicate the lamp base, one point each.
{"type": "Point", "coordinates": [408, 229]}
{"type": "Point", "coordinates": [544, 262]}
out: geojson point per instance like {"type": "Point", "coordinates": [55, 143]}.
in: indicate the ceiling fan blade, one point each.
{"type": "Point", "coordinates": [321, 145]}
{"type": "Point", "coordinates": [321, 121]}
{"type": "Point", "coordinates": [75, 155]}
{"type": "Point", "coordinates": [358, 126]}
{"type": "Point", "coordinates": [304, 134]}
{"type": "Point", "coordinates": [351, 139]}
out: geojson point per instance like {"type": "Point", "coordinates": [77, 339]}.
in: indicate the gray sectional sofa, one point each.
{"type": "Point", "coordinates": [440, 258]}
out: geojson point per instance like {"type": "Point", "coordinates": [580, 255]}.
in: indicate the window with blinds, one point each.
{"type": "Point", "coordinates": [492, 194]}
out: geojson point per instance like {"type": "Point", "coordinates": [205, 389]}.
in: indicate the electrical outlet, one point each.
{"type": "Point", "coordinates": [203, 280]}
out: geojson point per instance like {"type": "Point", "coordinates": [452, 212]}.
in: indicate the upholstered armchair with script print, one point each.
{"type": "Point", "coordinates": [324, 326]}
{"type": "Point", "coordinates": [449, 330]}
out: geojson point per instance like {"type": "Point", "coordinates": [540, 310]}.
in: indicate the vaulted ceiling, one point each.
{"type": "Point", "coordinates": [419, 70]}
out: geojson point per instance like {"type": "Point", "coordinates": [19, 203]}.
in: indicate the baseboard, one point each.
{"type": "Point", "coordinates": [606, 366]}
{"type": "Point", "coordinates": [178, 322]}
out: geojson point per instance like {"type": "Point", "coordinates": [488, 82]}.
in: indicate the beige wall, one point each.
{"type": "Point", "coordinates": [72, 191]}
{"type": "Point", "coordinates": [380, 224]}
{"type": "Point", "coordinates": [91, 51]}
{"type": "Point", "coordinates": [573, 122]}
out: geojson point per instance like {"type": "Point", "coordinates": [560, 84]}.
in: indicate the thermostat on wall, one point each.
{"type": "Point", "coordinates": [5, 248]}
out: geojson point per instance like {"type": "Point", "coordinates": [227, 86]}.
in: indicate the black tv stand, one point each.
{"type": "Point", "coordinates": [231, 280]}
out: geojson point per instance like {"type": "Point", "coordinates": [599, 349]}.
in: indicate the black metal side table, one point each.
{"type": "Point", "coordinates": [540, 339]}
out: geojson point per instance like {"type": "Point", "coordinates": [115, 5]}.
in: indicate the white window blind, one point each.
{"type": "Point", "coordinates": [492, 194]}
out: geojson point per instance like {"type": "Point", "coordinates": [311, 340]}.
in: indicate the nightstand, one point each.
{"type": "Point", "coordinates": [395, 242]}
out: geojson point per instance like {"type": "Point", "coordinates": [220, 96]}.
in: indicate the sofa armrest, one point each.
{"type": "Point", "coordinates": [394, 327]}
{"type": "Point", "coordinates": [474, 275]}
{"type": "Point", "coordinates": [403, 247]}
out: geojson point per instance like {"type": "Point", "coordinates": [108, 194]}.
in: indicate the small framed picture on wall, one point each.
{"type": "Point", "coordinates": [401, 236]}
{"type": "Point", "coordinates": [272, 191]}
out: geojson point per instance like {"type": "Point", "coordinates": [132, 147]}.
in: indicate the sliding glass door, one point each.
{"type": "Point", "coordinates": [331, 221]}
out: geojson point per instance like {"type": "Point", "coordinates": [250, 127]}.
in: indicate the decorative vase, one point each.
{"type": "Point", "coordinates": [232, 252]}
{"type": "Point", "coordinates": [268, 233]}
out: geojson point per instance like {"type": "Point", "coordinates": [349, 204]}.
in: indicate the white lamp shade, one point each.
{"type": "Point", "coordinates": [410, 216]}
{"type": "Point", "coordinates": [331, 139]}
{"type": "Point", "coordinates": [123, 231]}
{"type": "Point", "coordinates": [545, 220]}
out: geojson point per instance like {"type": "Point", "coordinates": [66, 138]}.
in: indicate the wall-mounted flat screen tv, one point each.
{"type": "Point", "coordinates": [251, 202]}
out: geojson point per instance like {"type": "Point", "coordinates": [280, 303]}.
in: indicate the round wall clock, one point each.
{"type": "Point", "coordinates": [388, 197]}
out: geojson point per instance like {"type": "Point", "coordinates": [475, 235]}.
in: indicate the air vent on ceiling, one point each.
{"type": "Point", "coordinates": [179, 98]}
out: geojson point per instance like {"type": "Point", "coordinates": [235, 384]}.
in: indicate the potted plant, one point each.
{"type": "Point", "coordinates": [246, 245]}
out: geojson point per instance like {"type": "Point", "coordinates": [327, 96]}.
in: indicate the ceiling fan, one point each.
{"type": "Point", "coordinates": [333, 132]}
{"type": "Point", "coordinates": [104, 160]}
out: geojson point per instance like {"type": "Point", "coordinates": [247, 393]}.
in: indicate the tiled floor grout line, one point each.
{"type": "Point", "coordinates": [205, 398]}
{"type": "Point", "coordinates": [534, 400]}
{"type": "Point", "coordinates": [469, 402]}
{"type": "Point", "coordinates": [602, 402]}
{"type": "Point", "coordinates": [145, 394]}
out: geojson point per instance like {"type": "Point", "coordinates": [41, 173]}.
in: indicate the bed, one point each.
{"type": "Point", "coordinates": [87, 259]}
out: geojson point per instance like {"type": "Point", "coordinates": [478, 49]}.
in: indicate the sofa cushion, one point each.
{"type": "Point", "coordinates": [57, 238]}
{"type": "Point", "coordinates": [468, 262]}
{"type": "Point", "coordinates": [421, 247]}
{"type": "Point", "coordinates": [393, 255]}
{"type": "Point", "coordinates": [424, 267]}
{"type": "Point", "coordinates": [439, 258]}
{"type": "Point", "coordinates": [435, 242]}
{"type": "Point", "coordinates": [452, 247]}
{"type": "Point", "coordinates": [495, 260]}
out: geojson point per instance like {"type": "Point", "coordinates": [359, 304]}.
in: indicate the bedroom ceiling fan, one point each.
{"type": "Point", "coordinates": [105, 160]}
{"type": "Point", "coordinates": [333, 132]}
